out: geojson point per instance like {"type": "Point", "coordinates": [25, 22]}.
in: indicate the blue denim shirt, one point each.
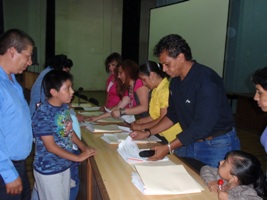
{"type": "Point", "coordinates": [15, 126]}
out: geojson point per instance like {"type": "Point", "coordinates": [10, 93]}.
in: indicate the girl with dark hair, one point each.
{"type": "Point", "coordinates": [241, 174]}
{"type": "Point", "coordinates": [156, 80]}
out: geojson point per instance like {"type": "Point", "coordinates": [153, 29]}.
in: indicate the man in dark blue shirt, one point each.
{"type": "Point", "coordinates": [198, 102]}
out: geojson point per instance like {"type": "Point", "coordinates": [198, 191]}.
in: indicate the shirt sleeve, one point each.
{"type": "Point", "coordinates": [138, 84]}
{"type": "Point", "coordinates": [7, 169]}
{"type": "Point", "coordinates": [41, 123]}
{"type": "Point", "coordinates": [243, 192]}
{"type": "Point", "coordinates": [209, 174]}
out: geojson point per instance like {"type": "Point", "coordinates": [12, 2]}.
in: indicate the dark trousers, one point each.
{"type": "Point", "coordinates": [26, 192]}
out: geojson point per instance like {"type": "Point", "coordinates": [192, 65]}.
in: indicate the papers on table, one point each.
{"type": "Point", "coordinates": [96, 128]}
{"type": "Point", "coordinates": [92, 108]}
{"type": "Point", "coordinates": [127, 118]}
{"type": "Point", "coordinates": [116, 138]}
{"type": "Point", "coordinates": [149, 180]}
{"type": "Point", "coordinates": [124, 128]}
{"type": "Point", "coordinates": [97, 113]}
{"type": "Point", "coordinates": [92, 113]}
{"type": "Point", "coordinates": [129, 151]}
{"type": "Point", "coordinates": [83, 105]}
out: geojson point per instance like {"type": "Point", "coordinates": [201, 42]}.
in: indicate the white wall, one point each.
{"type": "Point", "coordinates": [29, 16]}
{"type": "Point", "coordinates": [202, 24]}
{"type": "Point", "coordinates": [87, 32]}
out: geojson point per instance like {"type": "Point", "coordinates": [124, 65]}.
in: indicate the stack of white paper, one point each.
{"type": "Point", "coordinates": [129, 151]}
{"type": "Point", "coordinates": [163, 180]}
{"type": "Point", "coordinates": [97, 113]}
{"type": "Point", "coordinates": [92, 108]}
{"type": "Point", "coordinates": [115, 138]}
{"type": "Point", "coordinates": [96, 128]}
{"type": "Point", "coordinates": [82, 104]}
{"type": "Point", "coordinates": [91, 113]}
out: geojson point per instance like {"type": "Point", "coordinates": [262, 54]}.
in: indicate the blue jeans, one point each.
{"type": "Point", "coordinates": [211, 152]}
{"type": "Point", "coordinates": [26, 193]}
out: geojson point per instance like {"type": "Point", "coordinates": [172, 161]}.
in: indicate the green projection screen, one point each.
{"type": "Point", "coordinates": [202, 23]}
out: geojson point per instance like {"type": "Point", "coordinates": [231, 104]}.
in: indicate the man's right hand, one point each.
{"type": "Point", "coordinates": [14, 187]}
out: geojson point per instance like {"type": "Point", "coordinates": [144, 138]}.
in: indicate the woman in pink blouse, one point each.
{"type": "Point", "coordinates": [112, 97]}
{"type": "Point", "coordinates": [133, 94]}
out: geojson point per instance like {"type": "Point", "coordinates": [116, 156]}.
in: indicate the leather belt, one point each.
{"type": "Point", "coordinates": [216, 134]}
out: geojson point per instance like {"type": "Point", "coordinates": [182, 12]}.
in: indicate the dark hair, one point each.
{"type": "Point", "coordinates": [173, 44]}
{"type": "Point", "coordinates": [131, 70]}
{"type": "Point", "coordinates": [57, 61]}
{"type": "Point", "coordinates": [260, 77]}
{"type": "Point", "coordinates": [112, 57]}
{"type": "Point", "coordinates": [247, 169]}
{"type": "Point", "coordinates": [15, 38]}
{"type": "Point", "coordinates": [151, 66]}
{"type": "Point", "coordinates": [54, 80]}
{"type": "Point", "coordinates": [68, 63]}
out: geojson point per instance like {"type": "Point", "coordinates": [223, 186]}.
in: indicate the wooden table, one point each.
{"type": "Point", "coordinates": [108, 176]}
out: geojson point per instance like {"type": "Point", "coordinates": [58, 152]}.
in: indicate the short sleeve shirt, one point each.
{"type": "Point", "coordinates": [53, 121]}
{"type": "Point", "coordinates": [159, 99]}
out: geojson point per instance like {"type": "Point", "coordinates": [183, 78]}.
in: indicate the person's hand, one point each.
{"type": "Point", "coordinates": [136, 127]}
{"type": "Point", "coordinates": [222, 195]}
{"type": "Point", "coordinates": [138, 135]}
{"type": "Point", "coordinates": [80, 117]}
{"type": "Point", "coordinates": [85, 154]}
{"type": "Point", "coordinates": [213, 186]}
{"type": "Point", "coordinates": [160, 152]}
{"type": "Point", "coordinates": [14, 187]}
{"type": "Point", "coordinates": [91, 118]}
{"type": "Point", "coordinates": [102, 108]}
{"type": "Point", "coordinates": [116, 113]}
{"type": "Point", "coordinates": [90, 150]}
{"type": "Point", "coordinates": [139, 121]}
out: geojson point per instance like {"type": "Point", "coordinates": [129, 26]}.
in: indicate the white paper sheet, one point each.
{"type": "Point", "coordinates": [116, 138]}
{"type": "Point", "coordinates": [96, 128]}
{"type": "Point", "coordinates": [91, 113]}
{"type": "Point", "coordinates": [83, 105]}
{"type": "Point", "coordinates": [149, 180]}
{"type": "Point", "coordinates": [129, 151]}
{"type": "Point", "coordinates": [92, 109]}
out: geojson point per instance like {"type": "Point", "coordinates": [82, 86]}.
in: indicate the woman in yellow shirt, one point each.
{"type": "Point", "coordinates": [156, 80]}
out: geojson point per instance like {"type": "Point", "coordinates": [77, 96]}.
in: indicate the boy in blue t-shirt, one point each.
{"type": "Point", "coordinates": [54, 138]}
